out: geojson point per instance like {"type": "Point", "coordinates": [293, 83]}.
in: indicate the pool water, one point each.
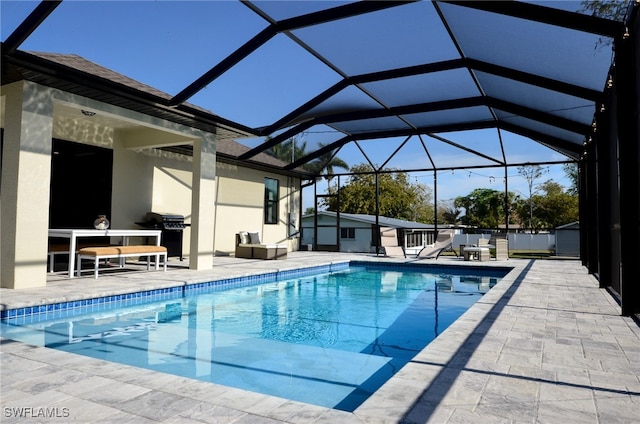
{"type": "Point", "coordinates": [330, 339]}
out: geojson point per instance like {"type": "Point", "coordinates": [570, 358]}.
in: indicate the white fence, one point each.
{"type": "Point", "coordinates": [517, 241]}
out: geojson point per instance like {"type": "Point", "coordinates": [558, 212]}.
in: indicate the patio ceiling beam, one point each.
{"type": "Point", "coordinates": [363, 79]}
{"type": "Point", "coordinates": [29, 25]}
{"type": "Point", "coordinates": [466, 149]}
{"type": "Point", "coordinates": [271, 31]}
{"type": "Point", "coordinates": [536, 80]}
{"type": "Point", "coordinates": [291, 132]}
{"type": "Point", "coordinates": [536, 115]}
{"type": "Point", "coordinates": [456, 168]}
{"type": "Point", "coordinates": [446, 105]}
{"type": "Point", "coordinates": [227, 63]}
{"type": "Point", "coordinates": [327, 15]}
{"type": "Point", "coordinates": [478, 65]}
{"type": "Point", "coordinates": [317, 153]}
{"type": "Point", "coordinates": [547, 15]}
{"type": "Point", "coordinates": [562, 146]}
{"type": "Point", "coordinates": [370, 114]}
{"type": "Point", "coordinates": [392, 133]}
{"type": "Point", "coordinates": [402, 110]}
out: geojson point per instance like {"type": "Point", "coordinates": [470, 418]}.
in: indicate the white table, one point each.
{"type": "Point", "coordinates": [74, 234]}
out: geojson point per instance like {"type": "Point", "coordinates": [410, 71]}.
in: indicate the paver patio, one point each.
{"type": "Point", "coordinates": [545, 345]}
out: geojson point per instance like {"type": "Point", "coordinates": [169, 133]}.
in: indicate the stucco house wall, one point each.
{"type": "Point", "coordinates": [144, 179]}
{"type": "Point", "coordinates": [240, 206]}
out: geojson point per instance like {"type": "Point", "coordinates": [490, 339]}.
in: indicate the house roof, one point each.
{"type": "Point", "coordinates": [383, 221]}
{"type": "Point", "coordinates": [225, 147]}
{"type": "Point", "coordinates": [425, 71]}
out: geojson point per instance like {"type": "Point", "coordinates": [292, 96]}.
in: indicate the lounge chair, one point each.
{"type": "Point", "coordinates": [389, 241]}
{"type": "Point", "coordinates": [444, 241]}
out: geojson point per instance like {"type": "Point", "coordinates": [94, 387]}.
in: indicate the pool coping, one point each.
{"type": "Point", "coordinates": [89, 302]}
{"type": "Point", "coordinates": [368, 408]}
{"type": "Point", "coordinates": [421, 391]}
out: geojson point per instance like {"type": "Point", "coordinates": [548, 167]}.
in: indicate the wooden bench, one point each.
{"type": "Point", "coordinates": [121, 252]}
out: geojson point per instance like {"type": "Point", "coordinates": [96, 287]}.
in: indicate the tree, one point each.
{"type": "Point", "coordinates": [553, 207]}
{"type": "Point", "coordinates": [448, 213]}
{"type": "Point", "coordinates": [293, 149]}
{"type": "Point", "coordinates": [608, 9]}
{"type": "Point", "coordinates": [288, 150]}
{"type": "Point", "coordinates": [326, 163]}
{"type": "Point", "coordinates": [531, 173]}
{"type": "Point", "coordinates": [614, 10]}
{"type": "Point", "coordinates": [556, 207]}
{"type": "Point", "coordinates": [571, 171]}
{"type": "Point", "coordinates": [484, 207]}
{"type": "Point", "coordinates": [398, 198]}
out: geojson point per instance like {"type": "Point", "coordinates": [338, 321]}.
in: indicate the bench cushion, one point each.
{"type": "Point", "coordinates": [121, 250]}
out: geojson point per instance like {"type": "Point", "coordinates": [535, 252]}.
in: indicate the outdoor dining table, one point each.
{"type": "Point", "coordinates": [74, 234]}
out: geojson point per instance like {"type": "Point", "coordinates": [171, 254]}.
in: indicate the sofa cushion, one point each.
{"type": "Point", "coordinates": [254, 238]}
{"type": "Point", "coordinates": [244, 237]}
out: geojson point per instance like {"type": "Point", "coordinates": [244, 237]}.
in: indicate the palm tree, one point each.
{"type": "Point", "coordinates": [292, 149]}
{"type": "Point", "coordinates": [289, 150]}
{"type": "Point", "coordinates": [326, 163]}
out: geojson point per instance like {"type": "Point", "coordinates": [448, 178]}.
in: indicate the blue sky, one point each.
{"type": "Point", "coordinates": [168, 45]}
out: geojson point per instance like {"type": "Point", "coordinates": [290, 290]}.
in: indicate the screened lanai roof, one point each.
{"type": "Point", "coordinates": [435, 81]}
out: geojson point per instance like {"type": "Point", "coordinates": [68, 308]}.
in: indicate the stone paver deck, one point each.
{"type": "Point", "coordinates": [545, 345]}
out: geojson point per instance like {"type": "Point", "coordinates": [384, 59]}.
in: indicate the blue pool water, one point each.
{"type": "Point", "coordinates": [330, 339]}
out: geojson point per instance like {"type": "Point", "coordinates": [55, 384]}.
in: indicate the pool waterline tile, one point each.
{"type": "Point", "coordinates": [27, 314]}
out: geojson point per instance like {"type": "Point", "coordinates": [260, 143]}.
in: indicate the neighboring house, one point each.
{"type": "Point", "coordinates": [80, 140]}
{"type": "Point", "coordinates": [358, 232]}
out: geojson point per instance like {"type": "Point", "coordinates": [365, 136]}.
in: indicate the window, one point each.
{"type": "Point", "coordinates": [347, 233]}
{"type": "Point", "coordinates": [270, 201]}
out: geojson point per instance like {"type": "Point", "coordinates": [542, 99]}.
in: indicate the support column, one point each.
{"type": "Point", "coordinates": [608, 225]}
{"type": "Point", "coordinates": [203, 208]}
{"type": "Point", "coordinates": [26, 176]}
{"type": "Point", "coordinates": [591, 213]}
{"type": "Point", "coordinates": [628, 94]}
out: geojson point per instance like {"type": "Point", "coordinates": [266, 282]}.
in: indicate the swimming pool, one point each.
{"type": "Point", "coordinates": [329, 339]}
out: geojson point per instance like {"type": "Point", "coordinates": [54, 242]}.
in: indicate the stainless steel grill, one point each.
{"type": "Point", "coordinates": [171, 225]}
{"type": "Point", "coordinates": [166, 221]}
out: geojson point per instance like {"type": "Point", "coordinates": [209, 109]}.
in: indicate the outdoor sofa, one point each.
{"type": "Point", "coordinates": [249, 245]}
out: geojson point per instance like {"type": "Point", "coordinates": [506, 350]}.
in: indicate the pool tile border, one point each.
{"type": "Point", "coordinates": [29, 314]}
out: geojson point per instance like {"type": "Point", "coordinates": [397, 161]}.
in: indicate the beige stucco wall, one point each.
{"type": "Point", "coordinates": [24, 192]}
{"type": "Point", "coordinates": [227, 198]}
{"type": "Point", "coordinates": [240, 206]}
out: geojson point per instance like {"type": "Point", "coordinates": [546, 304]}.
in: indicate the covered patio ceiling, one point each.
{"type": "Point", "coordinates": [404, 73]}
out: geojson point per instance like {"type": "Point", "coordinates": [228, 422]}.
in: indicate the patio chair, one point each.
{"type": "Point", "coordinates": [389, 241]}
{"type": "Point", "coordinates": [444, 241]}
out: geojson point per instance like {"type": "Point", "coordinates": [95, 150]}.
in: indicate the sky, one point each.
{"type": "Point", "coordinates": [167, 45]}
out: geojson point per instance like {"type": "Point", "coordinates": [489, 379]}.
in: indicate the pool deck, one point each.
{"type": "Point", "coordinates": [545, 345]}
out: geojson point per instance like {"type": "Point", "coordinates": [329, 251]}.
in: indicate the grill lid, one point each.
{"type": "Point", "coordinates": [170, 221]}
{"type": "Point", "coordinates": [161, 218]}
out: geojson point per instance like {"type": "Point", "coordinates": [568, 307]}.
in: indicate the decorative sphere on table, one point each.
{"type": "Point", "coordinates": [101, 223]}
